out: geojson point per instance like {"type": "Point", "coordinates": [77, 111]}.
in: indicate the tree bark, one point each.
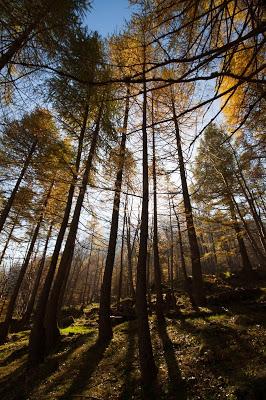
{"type": "Point", "coordinates": [9, 203]}
{"type": "Point", "coordinates": [24, 37]}
{"type": "Point", "coordinates": [250, 199]}
{"type": "Point", "coordinates": [193, 242]}
{"type": "Point", "coordinates": [26, 317]}
{"type": "Point", "coordinates": [37, 335]}
{"type": "Point", "coordinates": [51, 328]}
{"type": "Point", "coordinates": [105, 326]}
{"type": "Point", "coordinates": [120, 280]}
{"type": "Point", "coordinates": [247, 267]}
{"type": "Point", "coordinates": [9, 238]}
{"type": "Point", "coordinates": [11, 306]}
{"type": "Point", "coordinates": [147, 365]}
{"type": "Point", "coordinates": [97, 273]}
{"type": "Point", "coordinates": [171, 245]}
{"type": "Point", "coordinates": [181, 248]}
{"type": "Point", "coordinates": [85, 289]}
{"type": "Point", "coordinates": [156, 256]}
{"type": "Point", "coordinates": [129, 257]}
{"type": "Point", "coordinates": [16, 46]}
{"type": "Point", "coordinates": [258, 252]}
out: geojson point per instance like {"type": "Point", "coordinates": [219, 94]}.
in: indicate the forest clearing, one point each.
{"type": "Point", "coordinates": [132, 200]}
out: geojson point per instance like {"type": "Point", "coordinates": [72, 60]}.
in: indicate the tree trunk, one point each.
{"type": "Point", "coordinates": [23, 38]}
{"type": "Point", "coordinates": [120, 280]}
{"type": "Point", "coordinates": [181, 248]}
{"type": "Point", "coordinates": [37, 335]}
{"type": "Point", "coordinates": [193, 242]}
{"type": "Point", "coordinates": [105, 326]}
{"type": "Point", "coordinates": [11, 306]}
{"type": "Point", "coordinates": [247, 267]}
{"type": "Point", "coordinates": [171, 245]}
{"type": "Point", "coordinates": [156, 257]}
{"type": "Point", "coordinates": [95, 279]}
{"type": "Point", "coordinates": [16, 46]}
{"type": "Point", "coordinates": [129, 257]}
{"type": "Point", "coordinates": [5, 212]}
{"type": "Point", "coordinates": [252, 239]}
{"type": "Point", "coordinates": [250, 199]}
{"type": "Point", "coordinates": [147, 365]}
{"type": "Point", "coordinates": [84, 297]}
{"type": "Point", "coordinates": [8, 238]}
{"type": "Point", "coordinates": [27, 315]}
{"type": "Point", "coordinates": [51, 328]}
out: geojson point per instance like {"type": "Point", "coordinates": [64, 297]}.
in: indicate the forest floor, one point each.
{"type": "Point", "coordinates": [214, 353]}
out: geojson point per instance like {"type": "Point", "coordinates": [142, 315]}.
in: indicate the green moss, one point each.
{"type": "Point", "coordinates": [76, 330]}
{"type": "Point", "coordinates": [218, 317]}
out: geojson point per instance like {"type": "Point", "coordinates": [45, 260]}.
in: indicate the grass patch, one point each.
{"type": "Point", "coordinates": [77, 330]}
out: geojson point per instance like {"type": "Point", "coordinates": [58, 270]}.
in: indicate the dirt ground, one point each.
{"type": "Point", "coordinates": [213, 353]}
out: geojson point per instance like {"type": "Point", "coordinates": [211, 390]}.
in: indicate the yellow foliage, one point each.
{"type": "Point", "coordinates": [236, 100]}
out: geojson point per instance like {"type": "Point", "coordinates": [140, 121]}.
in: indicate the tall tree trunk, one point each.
{"type": "Point", "coordinates": [73, 280]}
{"type": "Point", "coordinates": [27, 315]}
{"type": "Point", "coordinates": [251, 202]}
{"type": "Point", "coordinates": [247, 267]}
{"type": "Point", "coordinates": [129, 256]}
{"type": "Point", "coordinates": [5, 212]}
{"type": "Point", "coordinates": [171, 245]}
{"type": "Point", "coordinates": [51, 328]}
{"type": "Point", "coordinates": [99, 277]}
{"type": "Point", "coordinates": [213, 249]}
{"type": "Point", "coordinates": [252, 239]}
{"type": "Point", "coordinates": [16, 46]}
{"type": "Point", "coordinates": [18, 43]}
{"type": "Point", "coordinates": [193, 242]}
{"type": "Point", "coordinates": [11, 306]}
{"type": "Point", "coordinates": [105, 326]}
{"type": "Point", "coordinates": [156, 257]}
{"type": "Point", "coordinates": [37, 335]}
{"type": "Point", "coordinates": [9, 238]}
{"type": "Point", "coordinates": [147, 365]}
{"type": "Point", "coordinates": [97, 274]}
{"type": "Point", "coordinates": [181, 248]}
{"type": "Point", "coordinates": [85, 289]}
{"type": "Point", "coordinates": [120, 278]}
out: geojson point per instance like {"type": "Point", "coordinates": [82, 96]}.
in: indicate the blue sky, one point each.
{"type": "Point", "coordinates": [108, 16]}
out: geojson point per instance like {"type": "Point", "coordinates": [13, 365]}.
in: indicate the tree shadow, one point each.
{"type": "Point", "coordinates": [222, 349]}
{"type": "Point", "coordinates": [86, 366]}
{"type": "Point", "coordinates": [177, 386]}
{"type": "Point", "coordinates": [14, 355]}
{"type": "Point", "coordinates": [23, 380]}
{"type": "Point", "coordinates": [130, 382]}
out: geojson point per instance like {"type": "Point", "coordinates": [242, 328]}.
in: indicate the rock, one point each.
{"type": "Point", "coordinates": [71, 312]}
{"type": "Point", "coordinates": [117, 319]}
{"type": "Point", "coordinates": [125, 310]}
{"type": "Point", "coordinates": [126, 306]}
{"type": "Point", "coordinates": [67, 321]}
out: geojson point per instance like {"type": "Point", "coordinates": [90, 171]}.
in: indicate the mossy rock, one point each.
{"type": "Point", "coordinates": [67, 321]}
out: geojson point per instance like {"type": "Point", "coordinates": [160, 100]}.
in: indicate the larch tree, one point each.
{"type": "Point", "coordinates": [219, 184]}
{"type": "Point", "coordinates": [75, 104]}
